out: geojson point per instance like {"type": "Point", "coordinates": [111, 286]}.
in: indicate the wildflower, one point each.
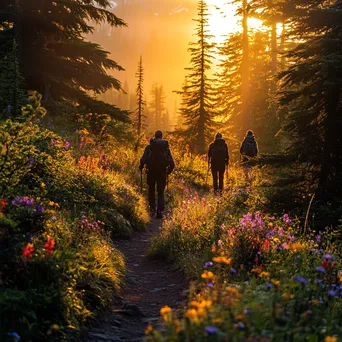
{"type": "Point", "coordinates": [192, 314]}
{"type": "Point", "coordinates": [201, 313]}
{"type": "Point", "coordinates": [264, 275]}
{"type": "Point", "coordinates": [233, 271]}
{"type": "Point", "coordinates": [148, 329]}
{"type": "Point", "coordinates": [320, 269]}
{"type": "Point", "coordinates": [275, 282]}
{"type": "Point", "coordinates": [28, 251]}
{"type": "Point", "coordinates": [286, 218]}
{"type": "Point", "coordinates": [217, 320]}
{"type": "Point", "coordinates": [301, 280]}
{"type": "Point", "coordinates": [67, 145]}
{"type": "Point", "coordinates": [49, 245]}
{"type": "Point", "coordinates": [266, 246]}
{"type": "Point", "coordinates": [296, 247]}
{"type": "Point", "coordinates": [232, 290]}
{"type": "Point", "coordinates": [270, 224]}
{"type": "Point", "coordinates": [340, 276]}
{"type": "Point", "coordinates": [210, 285]}
{"type": "Point", "coordinates": [268, 286]}
{"type": "Point", "coordinates": [332, 293]}
{"type": "Point", "coordinates": [222, 260]}
{"type": "Point", "coordinates": [31, 161]}
{"type": "Point", "coordinates": [14, 334]}
{"type": "Point", "coordinates": [208, 264]}
{"type": "Point", "coordinates": [23, 201]}
{"type": "Point", "coordinates": [328, 257]}
{"type": "Point", "coordinates": [210, 329]}
{"type": "Point", "coordinates": [39, 209]}
{"type": "Point", "coordinates": [42, 185]}
{"type": "Point", "coordinates": [3, 203]}
{"type": "Point", "coordinates": [287, 296]}
{"type": "Point", "coordinates": [207, 275]}
{"type": "Point", "coordinates": [330, 339]}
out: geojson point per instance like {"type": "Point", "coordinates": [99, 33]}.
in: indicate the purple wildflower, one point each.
{"type": "Point", "coordinates": [210, 285]}
{"type": "Point", "coordinates": [208, 264]}
{"type": "Point", "coordinates": [233, 271]}
{"type": "Point", "coordinates": [268, 286]}
{"type": "Point", "coordinates": [328, 257]}
{"type": "Point", "coordinates": [318, 238]}
{"type": "Point", "coordinates": [24, 201]}
{"type": "Point", "coordinates": [301, 280]}
{"type": "Point", "coordinates": [286, 218]}
{"type": "Point", "coordinates": [332, 293]}
{"type": "Point", "coordinates": [210, 329]}
{"type": "Point", "coordinates": [320, 269]}
{"type": "Point", "coordinates": [39, 209]}
{"type": "Point", "coordinates": [31, 161]}
{"type": "Point", "coordinates": [14, 334]}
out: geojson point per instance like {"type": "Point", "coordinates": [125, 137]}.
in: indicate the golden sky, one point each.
{"type": "Point", "coordinates": [160, 31]}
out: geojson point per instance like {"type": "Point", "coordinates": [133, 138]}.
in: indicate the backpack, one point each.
{"type": "Point", "coordinates": [249, 148]}
{"type": "Point", "coordinates": [158, 158]}
{"type": "Point", "coordinates": [219, 154]}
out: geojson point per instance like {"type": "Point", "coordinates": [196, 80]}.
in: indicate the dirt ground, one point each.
{"type": "Point", "coordinates": [151, 284]}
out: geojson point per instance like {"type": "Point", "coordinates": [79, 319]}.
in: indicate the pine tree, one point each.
{"type": "Point", "coordinates": [140, 98]}
{"type": "Point", "coordinates": [54, 56]}
{"type": "Point", "coordinates": [12, 93]}
{"type": "Point", "coordinates": [312, 89]}
{"type": "Point", "coordinates": [198, 93]}
{"type": "Point", "coordinates": [157, 106]}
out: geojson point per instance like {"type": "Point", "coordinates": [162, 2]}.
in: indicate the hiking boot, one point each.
{"type": "Point", "coordinates": [159, 214]}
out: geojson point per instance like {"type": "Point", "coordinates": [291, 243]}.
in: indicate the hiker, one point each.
{"type": "Point", "coordinates": [159, 162]}
{"type": "Point", "coordinates": [249, 147]}
{"type": "Point", "coordinates": [218, 159]}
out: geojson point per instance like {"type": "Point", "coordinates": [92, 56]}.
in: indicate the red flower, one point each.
{"type": "Point", "coordinates": [266, 246]}
{"type": "Point", "coordinates": [28, 250]}
{"type": "Point", "coordinates": [49, 245]}
{"type": "Point", "coordinates": [3, 203]}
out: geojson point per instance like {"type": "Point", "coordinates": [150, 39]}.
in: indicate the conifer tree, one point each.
{"type": "Point", "coordinates": [312, 90]}
{"type": "Point", "coordinates": [198, 93]}
{"type": "Point", "coordinates": [12, 93]}
{"type": "Point", "coordinates": [157, 106]}
{"type": "Point", "coordinates": [54, 56]}
{"type": "Point", "coordinates": [140, 98]}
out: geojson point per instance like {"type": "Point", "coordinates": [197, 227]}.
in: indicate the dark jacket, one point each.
{"type": "Point", "coordinates": [224, 160]}
{"type": "Point", "coordinates": [249, 139]}
{"type": "Point", "coordinates": [145, 158]}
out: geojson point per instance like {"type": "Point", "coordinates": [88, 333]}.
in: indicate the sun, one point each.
{"type": "Point", "coordinates": [224, 21]}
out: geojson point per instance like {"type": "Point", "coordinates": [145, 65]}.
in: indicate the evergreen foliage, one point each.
{"type": "Point", "coordinates": [140, 98]}
{"type": "Point", "coordinates": [54, 56]}
{"type": "Point", "coordinates": [198, 93]}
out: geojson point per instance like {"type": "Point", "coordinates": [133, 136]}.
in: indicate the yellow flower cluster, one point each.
{"type": "Point", "coordinates": [207, 275]}
{"type": "Point", "coordinates": [296, 246]}
{"type": "Point", "coordinates": [222, 260]}
{"type": "Point", "coordinates": [340, 276]}
{"type": "Point", "coordinates": [275, 282]}
{"type": "Point", "coordinates": [148, 329]}
{"type": "Point", "coordinates": [330, 339]}
{"type": "Point", "coordinates": [53, 204]}
{"type": "Point", "coordinates": [264, 275]}
{"type": "Point", "coordinates": [232, 290]}
{"type": "Point", "coordinates": [198, 310]}
{"type": "Point", "coordinates": [165, 312]}
{"type": "Point", "coordinates": [287, 296]}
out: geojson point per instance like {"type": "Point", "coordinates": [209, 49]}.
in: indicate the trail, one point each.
{"type": "Point", "coordinates": [151, 284]}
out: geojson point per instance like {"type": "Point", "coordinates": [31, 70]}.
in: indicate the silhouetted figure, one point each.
{"type": "Point", "coordinates": [249, 147]}
{"type": "Point", "coordinates": [218, 158]}
{"type": "Point", "coordinates": [158, 159]}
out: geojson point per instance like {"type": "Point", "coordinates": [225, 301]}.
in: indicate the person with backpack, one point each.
{"type": "Point", "coordinates": [249, 147]}
{"type": "Point", "coordinates": [159, 162]}
{"type": "Point", "coordinates": [218, 159]}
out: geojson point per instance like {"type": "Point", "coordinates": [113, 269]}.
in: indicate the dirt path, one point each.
{"type": "Point", "coordinates": [151, 284]}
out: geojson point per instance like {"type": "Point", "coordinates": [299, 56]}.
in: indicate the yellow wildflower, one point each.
{"type": "Point", "coordinates": [178, 326]}
{"type": "Point", "coordinates": [192, 314]}
{"type": "Point", "coordinates": [239, 317]}
{"type": "Point", "coordinates": [275, 282]}
{"type": "Point", "coordinates": [194, 304]}
{"type": "Point", "coordinates": [232, 290]}
{"type": "Point", "coordinates": [148, 329]}
{"type": "Point", "coordinates": [222, 260]}
{"type": "Point", "coordinates": [296, 246]}
{"type": "Point", "coordinates": [270, 224]}
{"type": "Point", "coordinates": [340, 276]}
{"type": "Point", "coordinates": [55, 327]}
{"type": "Point", "coordinates": [51, 203]}
{"type": "Point", "coordinates": [205, 304]}
{"type": "Point", "coordinates": [264, 275]}
{"type": "Point", "coordinates": [315, 301]}
{"type": "Point", "coordinates": [43, 185]}
{"type": "Point", "coordinates": [201, 313]}
{"type": "Point", "coordinates": [165, 310]}
{"type": "Point", "coordinates": [287, 296]}
{"type": "Point", "coordinates": [217, 320]}
{"type": "Point", "coordinates": [330, 339]}
{"type": "Point", "coordinates": [207, 275]}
